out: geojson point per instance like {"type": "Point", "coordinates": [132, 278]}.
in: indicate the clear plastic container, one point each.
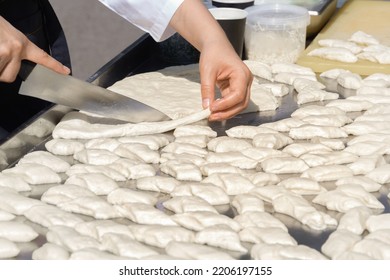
{"type": "Point", "coordinates": [275, 32]}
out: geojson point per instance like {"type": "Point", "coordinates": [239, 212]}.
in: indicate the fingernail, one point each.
{"type": "Point", "coordinates": [205, 103]}
{"type": "Point", "coordinates": [66, 69]}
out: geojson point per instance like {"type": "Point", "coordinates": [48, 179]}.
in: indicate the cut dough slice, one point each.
{"type": "Point", "coordinates": [354, 220]}
{"type": "Point", "coordinates": [298, 149]}
{"type": "Point", "coordinates": [197, 160]}
{"type": "Point", "coordinates": [380, 174]}
{"type": "Point", "coordinates": [327, 172]}
{"type": "Point", "coordinates": [50, 251]}
{"type": "Point", "coordinates": [259, 219]}
{"type": "Point", "coordinates": [209, 169]}
{"type": "Point", "coordinates": [247, 131]}
{"type": "Point", "coordinates": [127, 195]}
{"type": "Point", "coordinates": [193, 251]}
{"type": "Point", "coordinates": [269, 193]}
{"type": "Point", "coordinates": [109, 144]}
{"type": "Point", "coordinates": [5, 216]}
{"type": "Point", "coordinates": [99, 184]}
{"type": "Point", "coordinates": [183, 204]}
{"type": "Point", "coordinates": [363, 38]}
{"type": "Point", "coordinates": [373, 98]}
{"type": "Point", "coordinates": [353, 47]}
{"type": "Point", "coordinates": [329, 158]}
{"type": "Point", "coordinates": [305, 84]}
{"type": "Point", "coordinates": [247, 203]}
{"type": "Point", "coordinates": [34, 173]}
{"type": "Point", "coordinates": [8, 249]}
{"type": "Point", "coordinates": [368, 148]}
{"type": "Point", "coordinates": [271, 235]}
{"type": "Point", "coordinates": [285, 252]}
{"type": "Point", "coordinates": [283, 125]}
{"type": "Point", "coordinates": [98, 228]}
{"type": "Point", "coordinates": [289, 78]}
{"type": "Point", "coordinates": [309, 95]}
{"type": "Point", "coordinates": [231, 183]}
{"type": "Point", "coordinates": [260, 154]}
{"type": "Point", "coordinates": [15, 203]}
{"type": "Point", "coordinates": [47, 159]}
{"type": "Point", "coordinates": [271, 140]}
{"type": "Point", "coordinates": [17, 231]}
{"type": "Point", "coordinates": [277, 90]}
{"type": "Point", "coordinates": [366, 164]}
{"type": "Point", "coordinates": [233, 158]}
{"type": "Point", "coordinates": [308, 131]}
{"type": "Point", "coordinates": [193, 129]}
{"type": "Point", "coordinates": [154, 142]}
{"type": "Point", "coordinates": [94, 254]}
{"type": "Point", "coordinates": [220, 236]}
{"type": "Point", "coordinates": [141, 151]}
{"type": "Point", "coordinates": [302, 186]}
{"type": "Point", "coordinates": [328, 120]}
{"type": "Point", "coordinates": [197, 140]}
{"type": "Point", "coordinates": [361, 128]}
{"type": "Point", "coordinates": [261, 179]}
{"type": "Point", "coordinates": [87, 168]}
{"type": "Point", "coordinates": [382, 235]}
{"type": "Point", "coordinates": [284, 165]}
{"type": "Point", "coordinates": [133, 170]}
{"type": "Point", "coordinates": [376, 249]}
{"type": "Point", "coordinates": [263, 99]}
{"type": "Point", "coordinates": [338, 242]}
{"type": "Point", "coordinates": [315, 110]}
{"type": "Point", "coordinates": [348, 105]}
{"type": "Point", "coordinates": [182, 171]}
{"type": "Point", "coordinates": [157, 184]}
{"type": "Point", "coordinates": [95, 157]}
{"type": "Point", "coordinates": [334, 144]}
{"type": "Point", "coordinates": [367, 90]}
{"type": "Point", "coordinates": [259, 69]}
{"type": "Point", "coordinates": [64, 147]}
{"type": "Point", "coordinates": [333, 53]}
{"type": "Point", "coordinates": [14, 182]}
{"type": "Point", "coordinates": [227, 144]}
{"type": "Point", "coordinates": [180, 148]}
{"type": "Point", "coordinates": [333, 73]}
{"type": "Point", "coordinates": [378, 222]}
{"type": "Point", "coordinates": [281, 67]}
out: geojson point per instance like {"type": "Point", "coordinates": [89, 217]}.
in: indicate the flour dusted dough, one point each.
{"type": "Point", "coordinates": [88, 168]}
{"type": "Point", "coordinates": [209, 169]}
{"type": "Point", "coordinates": [142, 151]}
{"type": "Point", "coordinates": [66, 192]}
{"type": "Point", "coordinates": [194, 129]}
{"type": "Point", "coordinates": [259, 219]}
{"type": "Point", "coordinates": [157, 184]}
{"type": "Point", "coordinates": [329, 158]}
{"type": "Point", "coordinates": [289, 78]}
{"type": "Point", "coordinates": [207, 191]}
{"type": "Point", "coordinates": [334, 53]}
{"type": "Point", "coordinates": [308, 131]}
{"type": "Point", "coordinates": [327, 172]}
{"type": "Point", "coordinates": [348, 105]}
{"type": "Point", "coordinates": [197, 140]}
{"type": "Point", "coordinates": [366, 164]}
{"type": "Point", "coordinates": [64, 147]}
{"type": "Point", "coordinates": [14, 182]}
{"type": "Point", "coordinates": [363, 38]}
{"type": "Point", "coordinates": [109, 144]}
{"type": "Point", "coordinates": [285, 252]}
{"type": "Point", "coordinates": [283, 125]}
{"type": "Point", "coordinates": [337, 43]}
{"type": "Point", "coordinates": [98, 228]}
{"type": "Point", "coordinates": [334, 144]}
{"type": "Point", "coordinates": [333, 73]}
{"type": "Point", "coordinates": [354, 220]}
{"type": "Point", "coordinates": [284, 165]}
{"type": "Point", "coordinates": [270, 235]}
{"type": "Point", "coordinates": [378, 222]}
{"type": "Point", "coordinates": [328, 120]}
{"type": "Point", "coordinates": [298, 149]}
{"type": "Point", "coordinates": [338, 242]}
{"type": "Point", "coordinates": [233, 158]}
{"type": "Point", "coordinates": [374, 248]}
{"type": "Point", "coordinates": [194, 251]}
{"type": "Point", "coordinates": [17, 231]}
{"type": "Point", "coordinates": [47, 159]}
{"type": "Point", "coordinates": [184, 157]}
{"type": "Point", "coordinates": [309, 95]}
{"type": "Point", "coordinates": [247, 131]}
{"type": "Point", "coordinates": [182, 171]}
{"type": "Point", "coordinates": [5, 216]}
{"type": "Point", "coordinates": [127, 195]}
{"type": "Point", "coordinates": [316, 110]}
{"type": "Point", "coordinates": [8, 249]}
{"type": "Point", "coordinates": [133, 170]}
{"type": "Point", "coordinates": [271, 140]}
{"type": "Point", "coordinates": [302, 186]}
{"type": "Point", "coordinates": [261, 179]}
{"type": "Point", "coordinates": [99, 184]}
{"type": "Point", "coordinates": [231, 183]}
{"type": "Point", "coordinates": [277, 90]}
{"type": "Point", "coordinates": [260, 154]}
{"type": "Point", "coordinates": [50, 251]}
{"type": "Point", "coordinates": [380, 174]}
{"type": "Point", "coordinates": [281, 67]}
{"type": "Point", "coordinates": [368, 148]}
{"type": "Point", "coordinates": [95, 157]}
{"type": "Point", "coordinates": [227, 144]}
{"type": "Point", "coordinates": [247, 203]}
{"type": "Point", "coordinates": [180, 148]}
{"type": "Point", "coordinates": [259, 69]}
{"type": "Point", "coordinates": [183, 204]}
{"type": "Point", "coordinates": [15, 203]}
{"type": "Point", "coordinates": [366, 127]}
{"type": "Point", "coordinates": [263, 99]}
{"type": "Point", "coordinates": [34, 173]}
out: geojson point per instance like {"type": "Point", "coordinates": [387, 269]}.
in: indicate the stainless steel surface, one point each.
{"type": "Point", "coordinates": [65, 90]}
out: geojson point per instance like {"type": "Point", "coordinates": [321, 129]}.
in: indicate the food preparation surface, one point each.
{"type": "Point", "coordinates": [371, 17]}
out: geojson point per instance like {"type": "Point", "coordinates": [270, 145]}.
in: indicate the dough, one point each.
{"type": "Point", "coordinates": [8, 249]}
{"type": "Point", "coordinates": [209, 169]}
{"type": "Point", "coordinates": [328, 120]}
{"type": "Point", "coordinates": [380, 174]}
{"type": "Point", "coordinates": [193, 251]}
{"type": "Point", "coordinates": [324, 173]}
{"type": "Point", "coordinates": [34, 173]}
{"type": "Point", "coordinates": [197, 140]}
{"type": "Point", "coordinates": [5, 216]}
{"type": "Point", "coordinates": [298, 149]}
{"type": "Point", "coordinates": [373, 118]}
{"type": "Point", "coordinates": [98, 228]}
{"type": "Point", "coordinates": [142, 213]}
{"type": "Point", "coordinates": [376, 249]}
{"type": "Point", "coordinates": [88, 168]}
{"type": "Point", "coordinates": [378, 222]}
{"type": "Point", "coordinates": [221, 236]}
{"type": "Point", "coordinates": [182, 171]}
{"type": "Point", "coordinates": [363, 38]}
{"type": "Point", "coordinates": [157, 184]}
{"type": "Point", "coordinates": [193, 129]}
{"type": "Point", "coordinates": [334, 144]}
{"type": "Point", "coordinates": [309, 95]}
{"type": "Point", "coordinates": [127, 195]}
{"type": "Point", "coordinates": [270, 235]}
{"type": "Point", "coordinates": [14, 182]}
{"type": "Point", "coordinates": [180, 148]}
{"type": "Point", "coordinates": [302, 186]}
{"type": "Point", "coordinates": [236, 159]}
{"type": "Point", "coordinates": [17, 231]}
{"type": "Point", "coordinates": [334, 53]}
{"type": "Point", "coordinates": [260, 154]}
{"type": "Point", "coordinates": [261, 179]}
{"type": "Point", "coordinates": [329, 158]}
{"type": "Point", "coordinates": [259, 219]}
{"type": "Point", "coordinates": [337, 43]}
{"type": "Point", "coordinates": [63, 147]}
{"type": "Point", "coordinates": [333, 73]}
{"type": "Point", "coordinates": [373, 98]}
{"type": "Point", "coordinates": [227, 144]}
{"type": "Point", "coordinates": [289, 78]}
{"type": "Point", "coordinates": [47, 159]}
{"type": "Point", "coordinates": [271, 140]}
{"type": "Point", "coordinates": [365, 164]}
{"type": "Point", "coordinates": [183, 204]}
{"type": "Point", "coordinates": [231, 183]}
{"type": "Point", "coordinates": [348, 105]}
{"type": "Point", "coordinates": [142, 151]}
{"type": "Point", "coordinates": [160, 236]}
{"type": "Point", "coordinates": [308, 131]}
{"type": "Point", "coordinates": [247, 203]}
{"type": "Point", "coordinates": [95, 157]}
{"type": "Point", "coordinates": [259, 69]}
{"type": "Point", "coordinates": [263, 99]}
{"type": "Point", "coordinates": [367, 90]}
{"type": "Point", "coordinates": [133, 170]}
{"type": "Point", "coordinates": [99, 184]}
{"type": "Point", "coordinates": [277, 90]}
{"type": "Point", "coordinates": [50, 251]}
{"type": "Point", "coordinates": [109, 144]}
{"type": "Point", "coordinates": [94, 254]}
{"type": "Point", "coordinates": [184, 157]}
{"type": "Point", "coordinates": [338, 242]}
{"type": "Point", "coordinates": [354, 220]}
{"type": "Point", "coordinates": [285, 252]}
{"type": "Point", "coordinates": [281, 67]}
{"type": "Point", "coordinates": [284, 165]}
{"type": "Point", "coordinates": [283, 125]}
{"type": "Point", "coordinates": [301, 85]}
{"type": "Point", "coordinates": [368, 148]}
{"type": "Point", "coordinates": [311, 110]}
{"type": "Point", "coordinates": [15, 203]}
{"type": "Point", "coordinates": [381, 235]}
{"type": "Point", "coordinates": [269, 193]}
{"type": "Point", "coordinates": [364, 127]}
{"type": "Point", "coordinates": [154, 142]}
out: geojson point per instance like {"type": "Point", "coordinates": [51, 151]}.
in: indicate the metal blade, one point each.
{"type": "Point", "coordinates": [66, 90]}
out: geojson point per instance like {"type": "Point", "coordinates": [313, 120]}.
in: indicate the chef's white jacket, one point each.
{"type": "Point", "coordinates": [151, 16]}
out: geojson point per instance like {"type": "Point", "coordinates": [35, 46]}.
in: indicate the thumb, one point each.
{"type": "Point", "coordinates": [39, 56]}
{"type": "Point", "coordinates": [207, 89]}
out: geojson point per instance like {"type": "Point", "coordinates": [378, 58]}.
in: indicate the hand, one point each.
{"type": "Point", "coordinates": [15, 47]}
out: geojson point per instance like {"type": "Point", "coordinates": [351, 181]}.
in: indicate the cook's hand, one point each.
{"type": "Point", "coordinates": [220, 66]}
{"type": "Point", "coordinates": [15, 47]}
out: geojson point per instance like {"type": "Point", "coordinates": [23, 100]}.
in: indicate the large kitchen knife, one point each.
{"type": "Point", "coordinates": [43, 83]}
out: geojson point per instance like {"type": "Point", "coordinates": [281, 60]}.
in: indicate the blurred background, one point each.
{"type": "Point", "coordinates": [95, 34]}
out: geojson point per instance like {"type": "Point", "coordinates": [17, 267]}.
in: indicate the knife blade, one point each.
{"type": "Point", "coordinates": [43, 83]}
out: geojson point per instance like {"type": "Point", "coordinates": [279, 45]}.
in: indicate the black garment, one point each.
{"type": "Point", "coordinates": [37, 20]}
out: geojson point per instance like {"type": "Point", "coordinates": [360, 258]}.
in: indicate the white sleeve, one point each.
{"type": "Point", "coordinates": [151, 16]}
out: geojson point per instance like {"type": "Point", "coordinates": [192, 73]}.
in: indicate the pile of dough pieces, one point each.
{"type": "Point", "coordinates": [180, 191]}
{"type": "Point", "coordinates": [359, 45]}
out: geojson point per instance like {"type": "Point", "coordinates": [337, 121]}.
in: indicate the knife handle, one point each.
{"type": "Point", "coordinates": [26, 68]}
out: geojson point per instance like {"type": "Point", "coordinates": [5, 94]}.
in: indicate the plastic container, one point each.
{"type": "Point", "coordinates": [275, 32]}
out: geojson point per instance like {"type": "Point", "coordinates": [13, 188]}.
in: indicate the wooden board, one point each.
{"type": "Point", "coordinates": [372, 17]}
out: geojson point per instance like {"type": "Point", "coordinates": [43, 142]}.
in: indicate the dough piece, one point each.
{"type": "Point", "coordinates": [47, 159]}
{"type": "Point", "coordinates": [361, 128]}
{"type": "Point", "coordinates": [329, 158]}
{"type": "Point", "coordinates": [284, 252]}
{"type": "Point", "coordinates": [380, 174]}
{"type": "Point", "coordinates": [142, 151]}
{"type": "Point", "coordinates": [376, 249]}
{"type": "Point", "coordinates": [271, 140]}
{"type": "Point", "coordinates": [227, 144]}
{"type": "Point", "coordinates": [261, 179]}
{"type": "Point", "coordinates": [236, 159]}
{"type": "Point", "coordinates": [300, 209]}
{"type": "Point", "coordinates": [50, 251]}
{"type": "Point", "coordinates": [70, 239]}
{"type": "Point", "coordinates": [366, 164]}
{"type": "Point", "coordinates": [309, 95]}
{"type": "Point", "coordinates": [14, 182]}
{"type": "Point", "coordinates": [221, 236]}
{"type": "Point", "coordinates": [283, 125]}
{"type": "Point", "coordinates": [160, 236]}
{"type": "Point", "coordinates": [346, 197]}
{"type": "Point", "coordinates": [277, 90]}
{"type": "Point", "coordinates": [366, 183]}
{"type": "Point", "coordinates": [63, 147]}
{"type": "Point", "coordinates": [302, 186]}
{"type": "Point", "coordinates": [109, 144]}
{"type": "Point", "coordinates": [15, 203]}
{"type": "Point", "coordinates": [372, 98]}
{"type": "Point", "coordinates": [378, 222]}
{"type": "Point", "coordinates": [154, 142]}
{"type": "Point", "coordinates": [373, 118]}
{"type": "Point", "coordinates": [197, 140]}
{"type": "Point", "coordinates": [337, 43]}
{"type": "Point", "coordinates": [363, 38]}
{"type": "Point", "coordinates": [260, 154]}
{"type": "Point", "coordinates": [182, 171]}
{"type": "Point", "coordinates": [211, 193]}
{"type": "Point", "coordinates": [133, 170]}
{"type": "Point", "coordinates": [95, 157]}
{"type": "Point", "coordinates": [47, 215]}
{"type": "Point", "coordinates": [17, 231]}
{"type": "Point", "coordinates": [327, 172]}
{"type": "Point", "coordinates": [146, 214]}
{"type": "Point", "coordinates": [302, 85]}
{"type": "Point", "coordinates": [34, 173]}
{"type": "Point", "coordinates": [333, 73]}
{"type": "Point", "coordinates": [348, 105]}
{"type": "Point", "coordinates": [350, 255]}
{"type": "Point", "coordinates": [40, 128]}
{"type": "Point", "coordinates": [368, 148]}
{"type": "Point", "coordinates": [5, 216]}
{"type": "Point", "coordinates": [247, 131]}
{"type": "Point", "coordinates": [66, 192]}
{"type": "Point", "coordinates": [8, 249]}
{"type": "Point", "coordinates": [289, 78]}
{"type": "Point", "coordinates": [93, 206]}
{"type": "Point", "coordinates": [367, 90]}
{"type": "Point", "coordinates": [333, 53]}
{"type": "Point", "coordinates": [281, 67]}
{"type": "Point", "coordinates": [328, 120]}
{"type": "Point", "coordinates": [338, 242]}
{"type": "Point", "coordinates": [126, 195]}
{"type": "Point", "coordinates": [271, 235]}
{"type": "Point", "coordinates": [193, 129]}
{"type": "Point", "coordinates": [259, 219]}
{"type": "Point", "coordinates": [231, 183]}
{"type": "Point", "coordinates": [123, 245]}
{"type": "Point", "coordinates": [99, 184]}
{"type": "Point", "coordinates": [269, 193]}
{"type": "Point", "coordinates": [157, 184]}
{"type": "Point", "coordinates": [284, 165]}
{"type": "Point", "coordinates": [98, 228]}
{"type": "Point", "coordinates": [247, 203]}
{"type": "Point", "coordinates": [180, 148]}
{"type": "Point", "coordinates": [200, 220]}
{"type": "Point", "coordinates": [74, 126]}
{"type": "Point", "coordinates": [298, 149]}
{"type": "Point", "coordinates": [263, 99]}
{"type": "Point", "coordinates": [197, 160]}
{"type": "Point", "coordinates": [88, 168]}
{"type": "Point", "coordinates": [308, 131]}
{"type": "Point", "coordinates": [334, 144]}
{"type": "Point", "coordinates": [215, 168]}
{"type": "Point", "coordinates": [316, 110]}
{"type": "Point", "coordinates": [354, 220]}
{"type": "Point", "coordinates": [183, 204]}
{"type": "Point", "coordinates": [380, 137]}
{"type": "Point", "coordinates": [193, 251]}
{"type": "Point", "coordinates": [94, 254]}
{"type": "Point", "coordinates": [380, 235]}
{"type": "Point", "coordinates": [259, 69]}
